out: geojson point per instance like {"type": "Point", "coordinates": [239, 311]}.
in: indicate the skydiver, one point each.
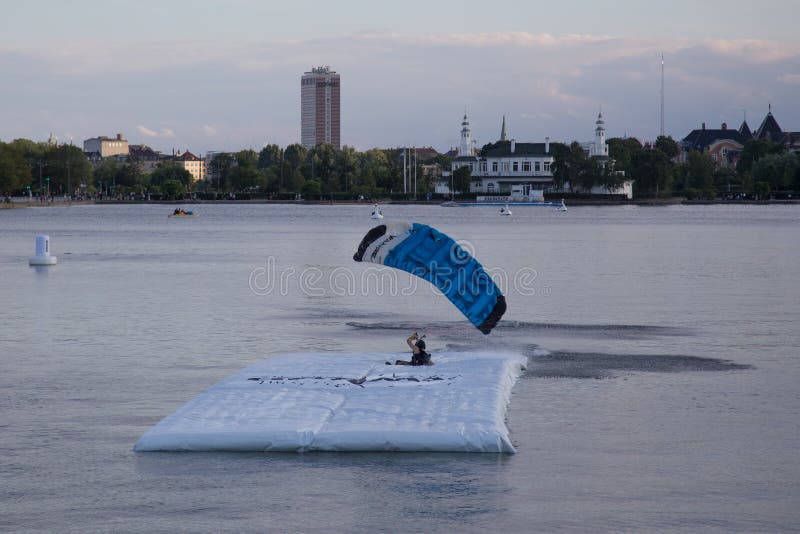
{"type": "Point", "coordinates": [419, 356]}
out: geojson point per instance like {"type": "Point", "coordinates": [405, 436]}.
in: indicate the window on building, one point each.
{"type": "Point", "coordinates": [483, 166]}
{"type": "Point", "coordinates": [505, 166]}
{"type": "Point", "coordinates": [526, 166]}
{"type": "Point", "coordinates": [546, 166]}
{"type": "Point", "coordinates": [537, 166]}
{"type": "Point", "coordinates": [714, 156]}
{"type": "Point", "coordinates": [515, 166]}
{"type": "Point", "coordinates": [494, 166]}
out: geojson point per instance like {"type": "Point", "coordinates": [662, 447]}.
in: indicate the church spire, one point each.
{"type": "Point", "coordinates": [503, 134]}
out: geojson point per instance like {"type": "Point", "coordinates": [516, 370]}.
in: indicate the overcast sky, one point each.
{"type": "Point", "coordinates": [207, 75]}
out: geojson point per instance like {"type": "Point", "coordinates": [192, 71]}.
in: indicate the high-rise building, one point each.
{"type": "Point", "coordinates": [319, 108]}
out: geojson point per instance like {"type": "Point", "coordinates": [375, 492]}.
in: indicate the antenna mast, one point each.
{"type": "Point", "coordinates": [662, 94]}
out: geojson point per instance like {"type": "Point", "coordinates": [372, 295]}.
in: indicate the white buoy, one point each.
{"type": "Point", "coordinates": [43, 256]}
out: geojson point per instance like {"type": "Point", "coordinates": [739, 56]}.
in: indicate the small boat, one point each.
{"type": "Point", "coordinates": [562, 207]}
{"type": "Point", "coordinates": [505, 210]}
{"type": "Point", "coordinates": [376, 213]}
{"type": "Point", "coordinates": [180, 212]}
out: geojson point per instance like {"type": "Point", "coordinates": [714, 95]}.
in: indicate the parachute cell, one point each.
{"type": "Point", "coordinates": [433, 256]}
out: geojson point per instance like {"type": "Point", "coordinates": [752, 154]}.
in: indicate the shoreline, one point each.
{"type": "Point", "coordinates": [573, 202]}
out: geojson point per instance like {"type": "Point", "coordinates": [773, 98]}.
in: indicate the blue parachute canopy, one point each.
{"type": "Point", "coordinates": [433, 256]}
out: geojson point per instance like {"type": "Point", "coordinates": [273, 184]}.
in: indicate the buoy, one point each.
{"type": "Point", "coordinates": [43, 256]}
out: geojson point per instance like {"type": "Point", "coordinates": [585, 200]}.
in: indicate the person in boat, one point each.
{"type": "Point", "coordinates": [419, 355]}
{"type": "Point", "coordinates": [177, 211]}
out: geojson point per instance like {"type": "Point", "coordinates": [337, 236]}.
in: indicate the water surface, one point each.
{"type": "Point", "coordinates": [662, 391]}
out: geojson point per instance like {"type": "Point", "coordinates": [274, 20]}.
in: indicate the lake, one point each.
{"type": "Point", "coordinates": [661, 392]}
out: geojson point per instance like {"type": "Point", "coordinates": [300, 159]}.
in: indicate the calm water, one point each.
{"type": "Point", "coordinates": [662, 393]}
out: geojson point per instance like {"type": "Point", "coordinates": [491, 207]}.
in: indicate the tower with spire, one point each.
{"type": "Point", "coordinates": [503, 134]}
{"type": "Point", "coordinates": [769, 128]}
{"type": "Point", "coordinates": [599, 147]}
{"type": "Point", "coordinates": [465, 149]}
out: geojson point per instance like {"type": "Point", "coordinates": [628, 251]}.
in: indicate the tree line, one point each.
{"type": "Point", "coordinates": [41, 168]}
{"type": "Point", "coordinates": [762, 168]}
{"type": "Point", "coordinates": [323, 170]}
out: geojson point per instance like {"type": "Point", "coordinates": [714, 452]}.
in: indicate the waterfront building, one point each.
{"type": "Point", "coordinates": [501, 166]}
{"type": "Point", "coordinates": [724, 145]}
{"type": "Point", "coordinates": [145, 158]}
{"type": "Point", "coordinates": [194, 164]}
{"type": "Point", "coordinates": [320, 116]}
{"type": "Point", "coordinates": [524, 171]}
{"type": "Point", "coordinates": [105, 147]}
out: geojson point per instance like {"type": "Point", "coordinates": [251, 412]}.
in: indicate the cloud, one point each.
{"type": "Point", "coordinates": [790, 79]}
{"type": "Point", "coordinates": [753, 50]}
{"type": "Point", "coordinates": [397, 88]}
{"type": "Point", "coordinates": [164, 133]}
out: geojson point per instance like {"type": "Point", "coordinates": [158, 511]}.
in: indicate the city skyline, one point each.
{"type": "Point", "coordinates": [407, 84]}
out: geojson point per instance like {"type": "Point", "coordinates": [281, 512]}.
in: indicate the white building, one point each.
{"type": "Point", "coordinates": [194, 164]}
{"type": "Point", "coordinates": [503, 165]}
{"type": "Point", "coordinates": [523, 169]}
{"type": "Point", "coordinates": [106, 146]}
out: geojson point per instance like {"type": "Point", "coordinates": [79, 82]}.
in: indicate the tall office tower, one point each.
{"type": "Point", "coordinates": [319, 108]}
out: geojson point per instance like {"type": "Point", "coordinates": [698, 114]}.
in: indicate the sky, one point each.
{"type": "Point", "coordinates": [210, 75]}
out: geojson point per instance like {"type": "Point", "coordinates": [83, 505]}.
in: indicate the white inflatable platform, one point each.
{"type": "Point", "coordinates": [355, 402]}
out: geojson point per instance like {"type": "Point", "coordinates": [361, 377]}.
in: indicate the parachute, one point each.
{"type": "Point", "coordinates": [433, 256]}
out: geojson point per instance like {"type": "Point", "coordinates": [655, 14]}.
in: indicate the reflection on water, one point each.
{"type": "Point", "coordinates": [596, 365]}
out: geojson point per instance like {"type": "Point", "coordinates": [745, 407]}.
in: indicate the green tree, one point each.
{"type": "Point", "coordinates": [668, 146]}
{"type": "Point", "coordinates": [15, 173]}
{"type": "Point", "coordinates": [778, 170]}
{"type": "Point", "coordinates": [373, 170]}
{"type": "Point", "coordinates": [651, 170]}
{"type": "Point", "coordinates": [346, 162]}
{"type": "Point", "coordinates": [169, 171]}
{"type": "Point", "coordinates": [221, 167]}
{"type": "Point", "coordinates": [295, 155]}
{"type": "Point", "coordinates": [571, 166]}
{"type": "Point", "coordinates": [323, 167]}
{"type": "Point", "coordinates": [762, 190]}
{"type": "Point", "coordinates": [754, 150]}
{"type": "Point", "coordinates": [172, 189]}
{"type": "Point", "coordinates": [700, 173]}
{"type": "Point", "coordinates": [462, 177]}
{"type": "Point", "coordinates": [271, 179]}
{"type": "Point", "coordinates": [621, 150]}
{"type": "Point", "coordinates": [270, 156]}
{"type": "Point", "coordinates": [245, 174]}
{"type": "Point", "coordinates": [105, 173]}
{"type": "Point", "coordinates": [311, 188]}
{"type": "Point", "coordinates": [66, 165]}
{"type": "Point", "coordinates": [726, 179]}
